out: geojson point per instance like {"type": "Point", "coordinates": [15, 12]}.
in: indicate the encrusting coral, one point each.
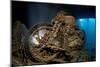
{"type": "Point", "coordinates": [58, 42]}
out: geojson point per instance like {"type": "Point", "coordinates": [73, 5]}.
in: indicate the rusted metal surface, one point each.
{"type": "Point", "coordinates": [59, 42]}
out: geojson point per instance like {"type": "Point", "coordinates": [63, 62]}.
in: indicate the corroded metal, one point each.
{"type": "Point", "coordinates": [59, 42]}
